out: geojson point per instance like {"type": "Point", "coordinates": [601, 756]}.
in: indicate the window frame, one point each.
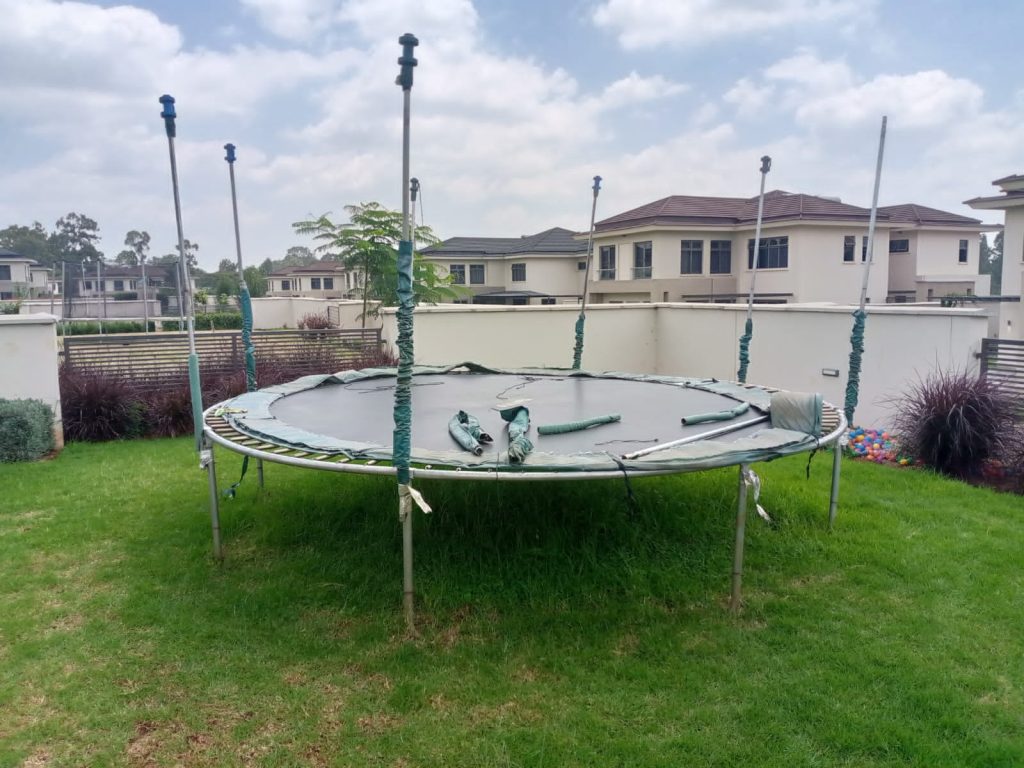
{"type": "Point", "coordinates": [776, 248]}
{"type": "Point", "coordinates": [286, 284]}
{"type": "Point", "coordinates": [477, 269]}
{"type": "Point", "coordinates": [715, 264]}
{"type": "Point", "coordinates": [643, 260]}
{"type": "Point", "coordinates": [964, 251]}
{"type": "Point", "coordinates": [6, 268]}
{"type": "Point", "coordinates": [457, 272]}
{"type": "Point", "coordinates": [691, 257]}
{"type": "Point", "coordinates": [899, 250]}
{"type": "Point", "coordinates": [314, 284]}
{"type": "Point", "coordinates": [519, 267]}
{"type": "Point", "coordinates": [119, 286]}
{"type": "Point", "coordinates": [849, 249]}
{"type": "Point", "coordinates": [606, 256]}
{"type": "Point", "coordinates": [328, 283]}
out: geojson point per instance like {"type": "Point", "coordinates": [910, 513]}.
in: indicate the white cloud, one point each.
{"type": "Point", "coordinates": [748, 97]}
{"type": "Point", "coordinates": [298, 20]}
{"type": "Point", "coordinates": [634, 89]}
{"type": "Point", "coordinates": [692, 23]}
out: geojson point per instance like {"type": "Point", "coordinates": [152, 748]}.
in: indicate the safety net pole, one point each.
{"type": "Point", "coordinates": [748, 328]}
{"type": "Point", "coordinates": [402, 438]}
{"type": "Point", "coordinates": [860, 316]}
{"type": "Point", "coordinates": [195, 389]}
{"type": "Point", "coordinates": [245, 302]}
{"type": "Point", "coordinates": [577, 355]}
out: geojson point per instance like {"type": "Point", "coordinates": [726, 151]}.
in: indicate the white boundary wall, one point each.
{"type": "Point", "coordinates": [287, 311]}
{"type": "Point", "coordinates": [791, 348]}
{"type": "Point", "coordinates": [28, 363]}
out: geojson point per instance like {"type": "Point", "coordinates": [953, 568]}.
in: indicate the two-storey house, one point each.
{"type": "Point", "coordinates": [321, 280]}
{"type": "Point", "coordinates": [1011, 202]}
{"type": "Point", "coordinates": [22, 277]}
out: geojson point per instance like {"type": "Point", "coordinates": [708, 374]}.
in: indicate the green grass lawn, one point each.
{"type": "Point", "coordinates": [558, 626]}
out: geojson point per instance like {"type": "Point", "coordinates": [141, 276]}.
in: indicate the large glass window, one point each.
{"type": "Point", "coordinates": [328, 283]}
{"type": "Point", "coordinates": [721, 257]}
{"type": "Point", "coordinates": [691, 257]}
{"type": "Point", "coordinates": [849, 247]}
{"type": "Point", "coordinates": [119, 285]}
{"type": "Point", "coordinates": [314, 283]}
{"type": "Point", "coordinates": [773, 253]}
{"type": "Point", "coordinates": [458, 273]}
{"type": "Point", "coordinates": [286, 285]}
{"type": "Point", "coordinates": [606, 257]}
{"type": "Point", "coordinates": [476, 274]}
{"type": "Point", "coordinates": [963, 252]}
{"type": "Point", "coordinates": [642, 257]}
{"type": "Point", "coordinates": [518, 273]}
{"type": "Point", "coordinates": [5, 271]}
{"type": "Point", "coordinates": [899, 246]}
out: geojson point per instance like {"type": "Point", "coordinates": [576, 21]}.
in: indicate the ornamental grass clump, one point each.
{"type": "Point", "coordinates": [955, 422]}
{"type": "Point", "coordinates": [97, 405]}
{"type": "Point", "coordinates": [26, 430]}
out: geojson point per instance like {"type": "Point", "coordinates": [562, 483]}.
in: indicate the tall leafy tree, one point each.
{"type": "Point", "coordinates": [136, 251]}
{"type": "Point", "coordinates": [31, 242]}
{"type": "Point", "coordinates": [368, 245]}
{"type": "Point", "coordinates": [256, 282]}
{"type": "Point", "coordinates": [75, 237]}
{"type": "Point", "coordinates": [227, 266]}
{"type": "Point", "coordinates": [296, 256]}
{"type": "Point", "coordinates": [266, 267]}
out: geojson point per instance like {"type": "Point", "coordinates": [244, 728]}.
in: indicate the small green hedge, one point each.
{"type": "Point", "coordinates": [88, 327]}
{"type": "Point", "coordinates": [219, 321]}
{"type": "Point", "coordinates": [26, 430]}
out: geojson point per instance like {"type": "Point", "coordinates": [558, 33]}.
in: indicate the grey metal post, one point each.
{"type": "Point", "coordinates": [99, 287]}
{"type": "Point", "coordinates": [833, 501]}
{"type": "Point", "coordinates": [210, 464]}
{"type": "Point", "coordinates": [741, 524]}
{"type": "Point", "coordinates": [259, 472]}
{"type": "Point", "coordinates": [766, 165]}
{"type": "Point", "coordinates": [177, 288]}
{"type": "Point", "coordinates": [869, 256]}
{"type": "Point", "coordinates": [145, 296]}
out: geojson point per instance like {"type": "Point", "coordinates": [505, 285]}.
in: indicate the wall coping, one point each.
{"type": "Point", "coordinates": [39, 318]}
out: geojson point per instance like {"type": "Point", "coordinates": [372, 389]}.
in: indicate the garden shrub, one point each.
{"type": "Point", "coordinates": [955, 422]}
{"type": "Point", "coordinates": [219, 321]}
{"type": "Point", "coordinates": [89, 327]}
{"type": "Point", "coordinates": [315, 322]}
{"type": "Point", "coordinates": [26, 430]}
{"type": "Point", "coordinates": [125, 296]}
{"type": "Point", "coordinates": [10, 307]}
{"type": "Point", "coordinates": [99, 405]}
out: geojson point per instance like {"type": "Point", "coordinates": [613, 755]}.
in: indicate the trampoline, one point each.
{"type": "Point", "coordinates": [666, 425]}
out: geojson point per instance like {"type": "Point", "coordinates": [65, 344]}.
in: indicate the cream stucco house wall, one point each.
{"type": "Point", "coordinates": [1011, 202]}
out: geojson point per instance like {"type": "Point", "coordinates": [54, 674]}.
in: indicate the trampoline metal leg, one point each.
{"type": "Point", "coordinates": [210, 465]}
{"type": "Point", "coordinates": [833, 500]}
{"type": "Point", "coordinates": [405, 515]}
{"type": "Point", "coordinates": [741, 524]}
{"type": "Point", "coordinates": [259, 472]}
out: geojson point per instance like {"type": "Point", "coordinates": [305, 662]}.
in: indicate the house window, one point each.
{"type": "Point", "coordinates": [286, 285]}
{"type": "Point", "coordinates": [849, 246]}
{"type": "Point", "coordinates": [88, 285]}
{"type": "Point", "coordinates": [772, 253]}
{"type": "Point", "coordinates": [5, 271]}
{"type": "Point", "coordinates": [119, 285]}
{"type": "Point", "coordinates": [328, 283]}
{"type": "Point", "coordinates": [581, 266]}
{"type": "Point", "coordinates": [6, 295]}
{"type": "Point", "coordinates": [691, 257]}
{"type": "Point", "coordinates": [314, 283]}
{"type": "Point", "coordinates": [642, 260]}
{"type": "Point", "coordinates": [721, 257]}
{"type": "Point", "coordinates": [963, 252]}
{"type": "Point", "coordinates": [518, 273]}
{"type": "Point", "coordinates": [476, 274]}
{"type": "Point", "coordinates": [607, 263]}
{"type": "Point", "coordinates": [864, 248]}
{"type": "Point", "coordinates": [899, 246]}
{"type": "Point", "coordinates": [458, 273]}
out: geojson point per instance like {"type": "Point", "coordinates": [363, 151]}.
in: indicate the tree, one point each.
{"type": "Point", "coordinates": [172, 258]}
{"type": "Point", "coordinates": [266, 267]}
{"type": "Point", "coordinates": [31, 242]}
{"type": "Point", "coordinates": [297, 256]}
{"type": "Point", "coordinates": [255, 281]}
{"type": "Point", "coordinates": [227, 266]}
{"type": "Point", "coordinates": [137, 250]}
{"type": "Point", "coordinates": [74, 238]}
{"type": "Point", "coordinates": [368, 243]}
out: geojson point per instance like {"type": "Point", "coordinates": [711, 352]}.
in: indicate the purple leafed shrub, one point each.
{"type": "Point", "coordinates": [99, 406]}
{"type": "Point", "coordinates": [954, 422]}
{"type": "Point", "coordinates": [315, 322]}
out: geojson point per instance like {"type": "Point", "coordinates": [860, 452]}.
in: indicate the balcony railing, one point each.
{"type": "Point", "coordinates": [642, 273]}
{"type": "Point", "coordinates": [606, 274]}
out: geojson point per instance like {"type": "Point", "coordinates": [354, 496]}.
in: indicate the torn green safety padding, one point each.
{"type": "Point", "coordinates": [730, 413]}
{"type": "Point", "coordinates": [798, 411]}
{"type": "Point", "coordinates": [466, 431]}
{"type": "Point", "coordinates": [402, 414]}
{"type": "Point", "coordinates": [748, 334]}
{"type": "Point", "coordinates": [576, 426]}
{"type": "Point", "coordinates": [519, 445]}
{"type": "Point", "coordinates": [856, 353]}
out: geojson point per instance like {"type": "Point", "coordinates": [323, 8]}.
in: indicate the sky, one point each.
{"type": "Point", "coordinates": [517, 104]}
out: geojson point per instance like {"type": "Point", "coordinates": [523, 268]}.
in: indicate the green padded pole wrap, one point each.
{"type": "Point", "coordinates": [403, 390]}
{"type": "Point", "coordinates": [250, 351]}
{"type": "Point", "coordinates": [856, 352]}
{"type": "Point", "coordinates": [577, 354]}
{"type": "Point", "coordinates": [197, 397]}
{"type": "Point", "coordinates": [578, 426]}
{"type": "Point", "coordinates": [703, 418]}
{"type": "Point", "coordinates": [748, 334]}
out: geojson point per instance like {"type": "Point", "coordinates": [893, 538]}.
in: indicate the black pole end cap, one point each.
{"type": "Point", "coordinates": [407, 61]}
{"type": "Point", "coordinates": [230, 149]}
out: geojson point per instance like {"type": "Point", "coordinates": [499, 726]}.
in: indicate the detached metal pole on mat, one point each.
{"type": "Point", "coordinates": [860, 316]}
{"type": "Point", "coordinates": [748, 328]}
{"type": "Point", "coordinates": [403, 390]}
{"type": "Point", "coordinates": [577, 355]}
{"type": "Point", "coordinates": [244, 299]}
{"type": "Point", "coordinates": [204, 448]}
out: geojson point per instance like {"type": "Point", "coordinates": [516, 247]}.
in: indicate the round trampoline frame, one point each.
{"type": "Point", "coordinates": [220, 431]}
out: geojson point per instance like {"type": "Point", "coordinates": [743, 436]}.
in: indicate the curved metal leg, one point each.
{"type": "Point", "coordinates": [405, 514]}
{"type": "Point", "coordinates": [208, 462]}
{"type": "Point", "coordinates": [833, 501]}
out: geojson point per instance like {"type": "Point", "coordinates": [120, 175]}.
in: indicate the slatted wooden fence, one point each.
{"type": "Point", "coordinates": [1002, 362]}
{"type": "Point", "coordinates": [155, 361]}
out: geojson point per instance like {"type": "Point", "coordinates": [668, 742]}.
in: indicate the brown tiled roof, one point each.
{"type": "Point", "coordinates": [733, 211]}
{"type": "Point", "coordinates": [920, 214]}
{"type": "Point", "coordinates": [320, 266]}
{"type": "Point", "coordinates": [1007, 179]}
